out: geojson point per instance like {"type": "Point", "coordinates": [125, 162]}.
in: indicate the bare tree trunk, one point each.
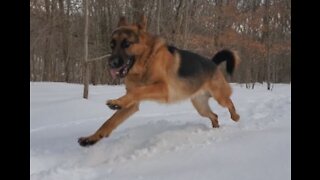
{"type": "Point", "coordinates": [46, 76]}
{"type": "Point", "coordinates": [149, 13]}
{"type": "Point", "coordinates": [218, 24]}
{"type": "Point", "coordinates": [158, 16]}
{"type": "Point", "coordinates": [65, 38]}
{"type": "Point", "coordinates": [32, 62]}
{"type": "Point", "coordinates": [177, 28]}
{"type": "Point", "coordinates": [109, 8]}
{"type": "Point", "coordinates": [185, 27]}
{"type": "Point", "coordinates": [86, 73]}
{"type": "Point", "coordinates": [266, 39]}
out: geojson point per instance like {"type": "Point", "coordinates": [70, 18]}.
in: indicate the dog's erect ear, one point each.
{"type": "Point", "coordinates": [122, 21]}
{"type": "Point", "coordinates": [142, 24]}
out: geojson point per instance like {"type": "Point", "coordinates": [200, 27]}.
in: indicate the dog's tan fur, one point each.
{"type": "Point", "coordinates": [154, 76]}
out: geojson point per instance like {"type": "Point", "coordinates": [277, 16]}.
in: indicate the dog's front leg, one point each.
{"type": "Point", "coordinates": [156, 91]}
{"type": "Point", "coordinates": [106, 129]}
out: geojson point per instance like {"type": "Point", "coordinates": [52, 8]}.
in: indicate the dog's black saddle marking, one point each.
{"type": "Point", "coordinates": [192, 64]}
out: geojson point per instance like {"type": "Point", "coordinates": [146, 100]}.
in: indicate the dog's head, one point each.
{"type": "Point", "coordinates": [127, 43]}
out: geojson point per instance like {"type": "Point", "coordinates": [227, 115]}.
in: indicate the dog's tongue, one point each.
{"type": "Point", "coordinates": [114, 73]}
{"type": "Point", "coordinates": [121, 71]}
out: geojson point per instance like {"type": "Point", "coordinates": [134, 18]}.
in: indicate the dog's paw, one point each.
{"type": "Point", "coordinates": [235, 117]}
{"type": "Point", "coordinates": [86, 141]}
{"type": "Point", "coordinates": [215, 123]}
{"type": "Point", "coordinates": [113, 105]}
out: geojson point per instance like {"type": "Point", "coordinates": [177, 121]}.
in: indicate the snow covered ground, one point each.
{"type": "Point", "coordinates": [160, 142]}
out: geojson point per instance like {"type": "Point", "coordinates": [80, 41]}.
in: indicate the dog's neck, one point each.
{"type": "Point", "coordinates": [143, 62]}
{"type": "Point", "coordinates": [157, 43]}
{"type": "Point", "coordinates": [152, 48]}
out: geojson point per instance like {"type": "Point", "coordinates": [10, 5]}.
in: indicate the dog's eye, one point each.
{"type": "Point", "coordinates": [112, 44]}
{"type": "Point", "coordinates": [125, 44]}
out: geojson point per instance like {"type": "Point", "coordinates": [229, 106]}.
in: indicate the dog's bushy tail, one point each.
{"type": "Point", "coordinates": [231, 57]}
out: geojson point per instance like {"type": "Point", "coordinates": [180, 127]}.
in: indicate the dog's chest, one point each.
{"type": "Point", "coordinates": [135, 79]}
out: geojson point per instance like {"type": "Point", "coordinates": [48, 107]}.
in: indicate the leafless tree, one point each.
{"type": "Point", "coordinates": [86, 64]}
{"type": "Point", "coordinates": [259, 30]}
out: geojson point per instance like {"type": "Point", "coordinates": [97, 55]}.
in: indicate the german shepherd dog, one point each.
{"type": "Point", "coordinates": [153, 70]}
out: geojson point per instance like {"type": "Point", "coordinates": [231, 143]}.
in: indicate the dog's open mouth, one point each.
{"type": "Point", "coordinates": [123, 70]}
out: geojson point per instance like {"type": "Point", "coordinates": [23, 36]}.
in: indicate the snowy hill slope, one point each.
{"type": "Point", "coordinates": [169, 142]}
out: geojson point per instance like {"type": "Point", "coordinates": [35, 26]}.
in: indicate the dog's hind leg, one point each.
{"type": "Point", "coordinates": [201, 103]}
{"type": "Point", "coordinates": [232, 110]}
{"type": "Point", "coordinates": [222, 94]}
{"type": "Point", "coordinates": [105, 130]}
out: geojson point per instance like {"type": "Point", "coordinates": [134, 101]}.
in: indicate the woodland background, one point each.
{"type": "Point", "coordinates": [260, 30]}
